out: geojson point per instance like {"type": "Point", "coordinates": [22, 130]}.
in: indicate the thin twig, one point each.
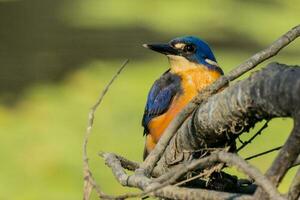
{"type": "Point", "coordinates": [174, 192]}
{"type": "Point", "coordinates": [244, 144]}
{"type": "Point", "coordinates": [230, 159]}
{"type": "Point", "coordinates": [153, 188]}
{"type": "Point", "coordinates": [141, 181]}
{"type": "Point", "coordinates": [205, 173]}
{"type": "Point", "coordinates": [151, 160]}
{"type": "Point", "coordinates": [89, 181]}
{"type": "Point", "coordinates": [200, 175]}
{"type": "Point", "coordinates": [287, 155]}
{"type": "Point", "coordinates": [131, 165]}
{"type": "Point", "coordinates": [263, 153]}
{"type": "Point", "coordinates": [125, 163]}
{"type": "Point", "coordinates": [297, 162]}
{"type": "Point", "coordinates": [144, 183]}
{"type": "Point", "coordinates": [234, 160]}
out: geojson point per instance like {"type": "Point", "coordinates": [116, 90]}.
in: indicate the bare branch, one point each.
{"type": "Point", "coordinates": [174, 192]}
{"type": "Point", "coordinates": [288, 153]}
{"type": "Point", "coordinates": [148, 165]}
{"type": "Point", "coordinates": [125, 163]}
{"type": "Point", "coordinates": [260, 179]}
{"type": "Point", "coordinates": [130, 165]}
{"type": "Point", "coordinates": [263, 153]}
{"type": "Point", "coordinates": [294, 192]}
{"type": "Point", "coordinates": [153, 188]}
{"type": "Point", "coordinates": [183, 168]}
{"type": "Point", "coordinates": [236, 109]}
{"type": "Point", "coordinates": [89, 182]}
{"type": "Point", "coordinates": [287, 156]}
{"type": "Point", "coordinates": [139, 181]}
{"type": "Point", "coordinates": [259, 108]}
{"type": "Point", "coordinates": [229, 159]}
{"type": "Point", "coordinates": [297, 162]}
{"type": "Point", "coordinates": [217, 121]}
{"type": "Point", "coordinates": [244, 144]}
{"type": "Point", "coordinates": [117, 169]}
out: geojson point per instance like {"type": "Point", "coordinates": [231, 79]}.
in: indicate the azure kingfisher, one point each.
{"type": "Point", "coordinates": [193, 67]}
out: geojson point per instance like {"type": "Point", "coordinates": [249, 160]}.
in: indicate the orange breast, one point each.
{"type": "Point", "coordinates": [193, 81]}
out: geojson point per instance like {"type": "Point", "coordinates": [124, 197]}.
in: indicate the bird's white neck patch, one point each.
{"type": "Point", "coordinates": [211, 62]}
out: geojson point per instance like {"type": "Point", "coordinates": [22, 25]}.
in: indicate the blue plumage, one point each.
{"type": "Point", "coordinates": [200, 55]}
{"type": "Point", "coordinates": [160, 97]}
{"type": "Point", "coordinates": [202, 50]}
{"type": "Point", "coordinates": [169, 84]}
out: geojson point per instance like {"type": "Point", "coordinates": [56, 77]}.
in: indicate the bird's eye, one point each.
{"type": "Point", "coordinates": [189, 48]}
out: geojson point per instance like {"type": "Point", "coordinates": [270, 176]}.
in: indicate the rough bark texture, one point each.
{"type": "Point", "coordinates": [271, 92]}
{"type": "Point", "coordinates": [294, 192]}
{"type": "Point", "coordinates": [199, 142]}
{"type": "Point", "coordinates": [151, 160]}
{"type": "Point", "coordinates": [200, 146]}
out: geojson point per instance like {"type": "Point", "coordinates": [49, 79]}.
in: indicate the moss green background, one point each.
{"type": "Point", "coordinates": [56, 56]}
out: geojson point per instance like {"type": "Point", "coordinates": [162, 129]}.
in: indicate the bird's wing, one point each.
{"type": "Point", "coordinates": [160, 97]}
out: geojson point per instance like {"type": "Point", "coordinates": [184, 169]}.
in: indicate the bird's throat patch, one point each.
{"type": "Point", "coordinates": [179, 64]}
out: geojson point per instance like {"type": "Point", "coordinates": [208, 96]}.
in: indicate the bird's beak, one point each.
{"type": "Point", "coordinates": [162, 48]}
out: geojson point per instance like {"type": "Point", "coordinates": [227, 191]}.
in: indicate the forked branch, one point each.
{"type": "Point", "coordinates": [215, 123]}
{"type": "Point", "coordinates": [148, 165]}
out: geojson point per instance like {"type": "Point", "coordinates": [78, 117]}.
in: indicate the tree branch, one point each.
{"type": "Point", "coordinates": [263, 153]}
{"type": "Point", "coordinates": [148, 165]}
{"type": "Point", "coordinates": [297, 162]}
{"type": "Point", "coordinates": [216, 122]}
{"type": "Point", "coordinates": [290, 150]}
{"type": "Point", "coordinates": [260, 179]}
{"type": "Point", "coordinates": [89, 182]}
{"type": "Point", "coordinates": [173, 192]}
{"type": "Point", "coordinates": [244, 144]}
{"type": "Point", "coordinates": [153, 188]}
{"type": "Point", "coordinates": [236, 109]}
{"type": "Point", "coordinates": [294, 192]}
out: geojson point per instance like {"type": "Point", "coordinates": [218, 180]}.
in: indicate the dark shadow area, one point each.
{"type": "Point", "coordinates": [35, 46]}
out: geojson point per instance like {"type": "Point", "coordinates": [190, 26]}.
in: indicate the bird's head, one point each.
{"type": "Point", "coordinates": [188, 50]}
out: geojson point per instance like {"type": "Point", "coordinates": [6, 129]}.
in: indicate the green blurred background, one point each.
{"type": "Point", "coordinates": [57, 55]}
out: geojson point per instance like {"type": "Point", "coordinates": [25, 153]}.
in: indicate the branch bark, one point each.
{"type": "Point", "coordinates": [89, 182]}
{"type": "Point", "coordinates": [294, 192]}
{"type": "Point", "coordinates": [216, 123]}
{"type": "Point", "coordinates": [156, 189]}
{"type": "Point", "coordinates": [148, 165]}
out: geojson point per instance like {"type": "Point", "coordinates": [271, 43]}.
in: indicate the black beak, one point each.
{"type": "Point", "coordinates": [162, 48]}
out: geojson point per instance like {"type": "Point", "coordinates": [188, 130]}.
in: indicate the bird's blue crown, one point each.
{"type": "Point", "coordinates": [190, 47]}
{"type": "Point", "coordinates": [200, 52]}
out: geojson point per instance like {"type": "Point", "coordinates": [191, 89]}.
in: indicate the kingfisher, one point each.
{"type": "Point", "coordinates": [193, 67]}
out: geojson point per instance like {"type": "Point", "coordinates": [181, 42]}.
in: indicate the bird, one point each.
{"type": "Point", "coordinates": [192, 67]}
